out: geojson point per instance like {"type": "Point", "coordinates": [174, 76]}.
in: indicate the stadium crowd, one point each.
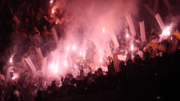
{"type": "Point", "coordinates": [147, 77]}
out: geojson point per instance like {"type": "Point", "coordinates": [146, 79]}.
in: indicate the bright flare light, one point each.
{"type": "Point", "coordinates": [132, 47]}
{"type": "Point", "coordinates": [103, 30]}
{"type": "Point", "coordinates": [11, 60]}
{"type": "Point", "coordinates": [74, 47]}
{"type": "Point", "coordinates": [101, 60]}
{"type": "Point", "coordinates": [52, 11]}
{"type": "Point", "coordinates": [171, 38]}
{"type": "Point", "coordinates": [65, 63]}
{"type": "Point", "coordinates": [51, 1]}
{"type": "Point", "coordinates": [15, 75]}
{"type": "Point", "coordinates": [54, 67]}
{"type": "Point", "coordinates": [127, 35]}
{"type": "Point", "coordinates": [166, 32]}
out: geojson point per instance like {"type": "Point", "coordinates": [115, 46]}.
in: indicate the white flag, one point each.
{"type": "Point", "coordinates": [143, 34]}
{"type": "Point", "coordinates": [31, 65]}
{"type": "Point", "coordinates": [55, 35]}
{"type": "Point", "coordinates": [160, 22]}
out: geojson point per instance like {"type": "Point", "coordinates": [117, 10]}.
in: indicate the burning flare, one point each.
{"type": "Point", "coordinates": [65, 63]}
{"type": "Point", "coordinates": [166, 32]}
{"type": "Point", "coordinates": [11, 60]}
{"type": "Point", "coordinates": [51, 1]}
{"type": "Point", "coordinates": [74, 47]}
{"type": "Point", "coordinates": [103, 30]}
{"type": "Point", "coordinates": [127, 35]}
{"type": "Point", "coordinates": [53, 11]}
{"type": "Point", "coordinates": [132, 47]}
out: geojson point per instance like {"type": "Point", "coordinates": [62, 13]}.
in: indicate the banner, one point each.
{"type": "Point", "coordinates": [142, 29]}
{"type": "Point", "coordinates": [55, 35]}
{"type": "Point", "coordinates": [31, 65]}
{"type": "Point", "coordinates": [161, 48]}
{"type": "Point", "coordinates": [38, 51]}
{"type": "Point", "coordinates": [177, 34]}
{"type": "Point", "coordinates": [131, 25]}
{"type": "Point", "coordinates": [168, 4]}
{"type": "Point", "coordinates": [44, 64]}
{"type": "Point", "coordinates": [174, 47]}
{"type": "Point", "coordinates": [160, 22]}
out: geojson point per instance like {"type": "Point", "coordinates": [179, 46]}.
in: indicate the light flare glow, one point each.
{"type": "Point", "coordinates": [54, 67]}
{"type": "Point", "coordinates": [74, 47]}
{"type": "Point", "coordinates": [65, 63]}
{"type": "Point", "coordinates": [101, 60]}
{"type": "Point", "coordinates": [51, 1]}
{"type": "Point", "coordinates": [132, 47]}
{"type": "Point", "coordinates": [166, 32]}
{"type": "Point", "coordinates": [127, 35]}
{"type": "Point", "coordinates": [171, 38]}
{"type": "Point", "coordinates": [53, 11]}
{"type": "Point", "coordinates": [15, 75]}
{"type": "Point", "coordinates": [80, 53]}
{"type": "Point", "coordinates": [11, 60]}
{"type": "Point", "coordinates": [103, 30]}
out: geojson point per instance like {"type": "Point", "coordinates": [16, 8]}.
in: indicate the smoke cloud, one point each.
{"type": "Point", "coordinates": [91, 18]}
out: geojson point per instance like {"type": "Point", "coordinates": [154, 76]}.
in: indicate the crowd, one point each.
{"type": "Point", "coordinates": [146, 76]}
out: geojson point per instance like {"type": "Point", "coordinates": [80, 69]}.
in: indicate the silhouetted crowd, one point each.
{"type": "Point", "coordinates": [148, 77]}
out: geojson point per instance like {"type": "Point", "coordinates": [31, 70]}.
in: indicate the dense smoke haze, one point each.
{"type": "Point", "coordinates": [92, 20]}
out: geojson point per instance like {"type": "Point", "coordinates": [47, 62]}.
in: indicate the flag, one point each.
{"type": "Point", "coordinates": [31, 65]}
{"type": "Point", "coordinates": [44, 64]}
{"type": "Point", "coordinates": [108, 50]}
{"type": "Point", "coordinates": [116, 63]}
{"type": "Point", "coordinates": [177, 34]}
{"type": "Point", "coordinates": [38, 51]}
{"type": "Point", "coordinates": [55, 35]}
{"type": "Point", "coordinates": [131, 25]}
{"type": "Point", "coordinates": [143, 34]}
{"type": "Point", "coordinates": [160, 22]}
